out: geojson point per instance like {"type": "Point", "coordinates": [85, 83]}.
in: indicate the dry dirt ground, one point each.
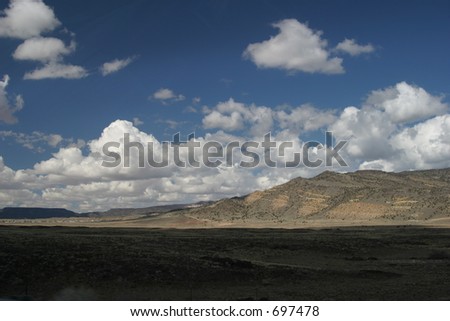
{"type": "Point", "coordinates": [348, 263]}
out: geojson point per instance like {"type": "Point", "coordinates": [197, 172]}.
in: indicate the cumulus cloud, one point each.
{"type": "Point", "coordinates": [76, 180]}
{"type": "Point", "coordinates": [24, 19]}
{"type": "Point", "coordinates": [228, 116]}
{"type": "Point", "coordinates": [43, 49]}
{"type": "Point", "coordinates": [166, 95]}
{"type": "Point", "coordinates": [423, 146]}
{"type": "Point", "coordinates": [232, 116]}
{"type": "Point", "coordinates": [50, 52]}
{"type": "Point", "coordinates": [8, 108]}
{"type": "Point", "coordinates": [70, 176]}
{"type": "Point", "coordinates": [350, 47]}
{"type": "Point", "coordinates": [367, 130]}
{"type": "Point", "coordinates": [11, 185]}
{"type": "Point", "coordinates": [115, 65]}
{"type": "Point", "coordinates": [304, 118]}
{"type": "Point", "coordinates": [54, 70]}
{"type": "Point", "coordinates": [259, 120]}
{"type": "Point", "coordinates": [407, 103]}
{"type": "Point", "coordinates": [380, 136]}
{"type": "Point", "coordinates": [295, 48]}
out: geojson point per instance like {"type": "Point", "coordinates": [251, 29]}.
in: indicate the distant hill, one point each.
{"type": "Point", "coordinates": [152, 210]}
{"type": "Point", "coordinates": [362, 195]}
{"type": "Point", "coordinates": [41, 213]}
{"type": "Point", "coordinates": [34, 212]}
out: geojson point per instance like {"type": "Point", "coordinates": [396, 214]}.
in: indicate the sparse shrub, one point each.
{"type": "Point", "coordinates": [439, 255]}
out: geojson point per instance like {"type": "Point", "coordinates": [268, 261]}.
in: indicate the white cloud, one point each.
{"type": "Point", "coordinates": [11, 184]}
{"type": "Point", "coordinates": [137, 121]}
{"type": "Point", "coordinates": [259, 120]}
{"type": "Point", "coordinates": [50, 52]}
{"type": "Point", "coordinates": [380, 137]}
{"type": "Point", "coordinates": [38, 141]}
{"type": "Point", "coordinates": [227, 116]}
{"type": "Point", "coordinates": [407, 103]}
{"type": "Point", "coordinates": [295, 48]}
{"type": "Point", "coordinates": [305, 117]}
{"type": "Point", "coordinates": [54, 140]}
{"type": "Point", "coordinates": [426, 145]}
{"type": "Point", "coordinates": [115, 65]}
{"type": "Point", "coordinates": [5, 81]}
{"type": "Point", "coordinates": [352, 48]}
{"type": "Point", "coordinates": [190, 109]}
{"type": "Point", "coordinates": [24, 19]}
{"type": "Point", "coordinates": [232, 116]}
{"type": "Point", "coordinates": [165, 95]}
{"type": "Point", "coordinates": [378, 132]}
{"type": "Point", "coordinates": [8, 109]}
{"type": "Point", "coordinates": [231, 122]}
{"type": "Point", "coordinates": [367, 130]}
{"type": "Point", "coordinates": [28, 19]}
{"type": "Point", "coordinates": [43, 49]}
{"type": "Point", "coordinates": [57, 70]}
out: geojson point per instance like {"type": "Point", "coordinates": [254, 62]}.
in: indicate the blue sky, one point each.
{"type": "Point", "coordinates": [201, 53]}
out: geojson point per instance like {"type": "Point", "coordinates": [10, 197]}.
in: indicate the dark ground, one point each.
{"type": "Point", "coordinates": [373, 263]}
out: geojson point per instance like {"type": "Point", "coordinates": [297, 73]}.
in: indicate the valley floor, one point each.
{"type": "Point", "coordinates": [351, 263]}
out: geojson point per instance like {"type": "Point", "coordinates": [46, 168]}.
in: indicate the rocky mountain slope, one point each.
{"type": "Point", "coordinates": [362, 195]}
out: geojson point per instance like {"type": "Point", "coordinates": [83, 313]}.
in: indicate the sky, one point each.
{"type": "Point", "coordinates": [76, 75]}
